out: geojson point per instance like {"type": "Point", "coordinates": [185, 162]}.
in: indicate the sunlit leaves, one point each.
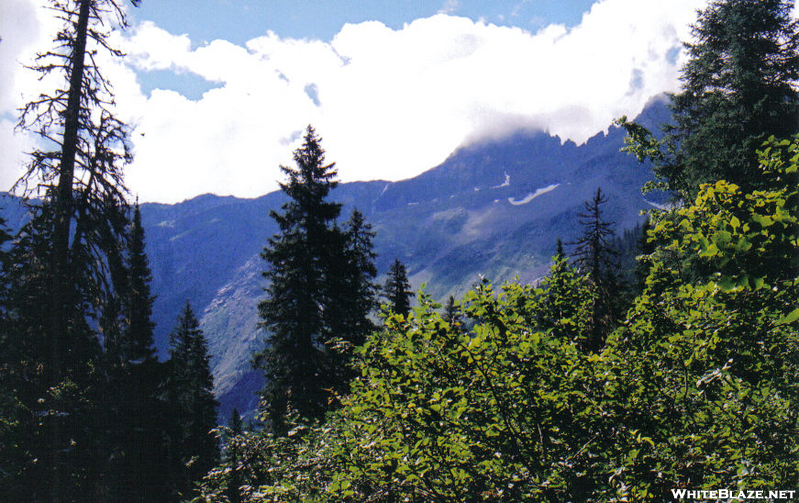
{"type": "Point", "coordinates": [493, 412]}
{"type": "Point", "coordinates": [697, 388]}
{"type": "Point", "coordinates": [712, 345]}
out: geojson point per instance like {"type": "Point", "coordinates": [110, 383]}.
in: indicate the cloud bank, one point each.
{"type": "Point", "coordinates": [389, 104]}
{"type": "Point", "coordinates": [22, 28]}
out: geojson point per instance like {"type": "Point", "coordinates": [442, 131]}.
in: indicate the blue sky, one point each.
{"type": "Point", "coordinates": [242, 20]}
{"type": "Point", "coordinates": [217, 92]}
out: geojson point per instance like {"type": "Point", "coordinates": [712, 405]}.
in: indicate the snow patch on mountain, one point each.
{"type": "Point", "coordinates": [530, 197]}
{"type": "Point", "coordinates": [506, 183]}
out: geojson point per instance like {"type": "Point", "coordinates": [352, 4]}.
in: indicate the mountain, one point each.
{"type": "Point", "coordinates": [494, 209]}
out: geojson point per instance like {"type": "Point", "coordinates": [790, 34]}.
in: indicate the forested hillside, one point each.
{"type": "Point", "coordinates": [566, 345]}
{"type": "Point", "coordinates": [494, 209]}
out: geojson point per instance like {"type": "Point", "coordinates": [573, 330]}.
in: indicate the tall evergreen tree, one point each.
{"type": "Point", "coordinates": [83, 206]}
{"type": "Point", "coordinates": [66, 255]}
{"type": "Point", "coordinates": [294, 310]}
{"type": "Point", "coordinates": [739, 88]}
{"type": "Point", "coordinates": [138, 298]}
{"type": "Point", "coordinates": [138, 415]}
{"type": "Point", "coordinates": [397, 289]}
{"type": "Point", "coordinates": [350, 297]}
{"type": "Point", "coordinates": [595, 257]}
{"type": "Point", "coordinates": [194, 448]}
{"type": "Point", "coordinates": [361, 272]}
{"type": "Point", "coordinates": [133, 302]}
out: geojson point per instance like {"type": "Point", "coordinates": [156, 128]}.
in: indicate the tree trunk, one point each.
{"type": "Point", "coordinates": [63, 205]}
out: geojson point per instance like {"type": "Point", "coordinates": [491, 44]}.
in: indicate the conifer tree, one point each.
{"type": "Point", "coordinates": [83, 206]}
{"type": "Point", "coordinates": [294, 310]}
{"type": "Point", "coordinates": [397, 289]}
{"type": "Point", "coordinates": [360, 287]}
{"type": "Point", "coordinates": [194, 449]}
{"type": "Point", "coordinates": [350, 295]}
{"type": "Point", "coordinates": [138, 413]}
{"type": "Point", "coordinates": [139, 299]}
{"type": "Point", "coordinates": [739, 88]}
{"type": "Point", "coordinates": [67, 255]}
{"type": "Point", "coordinates": [595, 257]}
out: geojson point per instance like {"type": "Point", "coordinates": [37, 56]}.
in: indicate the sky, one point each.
{"type": "Point", "coordinates": [219, 92]}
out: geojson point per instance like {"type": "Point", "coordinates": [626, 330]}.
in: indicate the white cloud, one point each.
{"type": "Point", "coordinates": [391, 103]}
{"type": "Point", "coordinates": [23, 28]}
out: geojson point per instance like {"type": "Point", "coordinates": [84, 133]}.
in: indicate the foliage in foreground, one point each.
{"type": "Point", "coordinates": [697, 388]}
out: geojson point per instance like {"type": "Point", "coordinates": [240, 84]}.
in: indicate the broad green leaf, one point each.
{"type": "Point", "coordinates": [789, 318]}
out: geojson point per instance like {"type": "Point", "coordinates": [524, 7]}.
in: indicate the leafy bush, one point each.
{"type": "Point", "coordinates": [698, 388]}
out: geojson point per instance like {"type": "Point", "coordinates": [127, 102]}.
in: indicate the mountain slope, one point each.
{"type": "Point", "coordinates": [494, 209]}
